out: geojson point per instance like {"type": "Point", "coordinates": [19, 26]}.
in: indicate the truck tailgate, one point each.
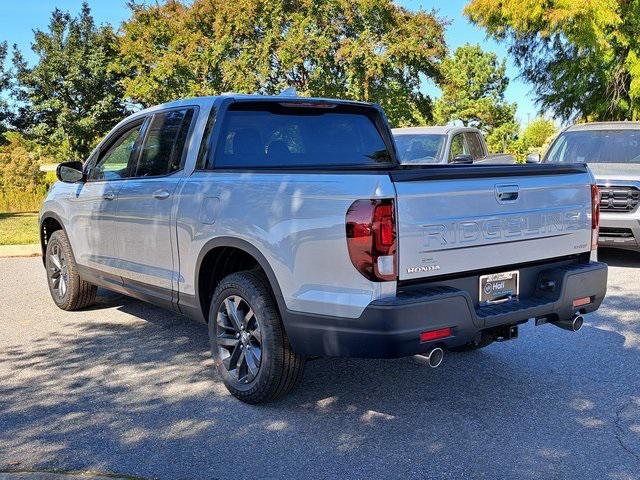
{"type": "Point", "coordinates": [466, 220]}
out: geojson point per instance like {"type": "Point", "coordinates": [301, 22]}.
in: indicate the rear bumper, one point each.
{"type": "Point", "coordinates": [391, 327]}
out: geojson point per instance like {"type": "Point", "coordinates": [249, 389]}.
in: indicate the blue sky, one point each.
{"type": "Point", "coordinates": [19, 18]}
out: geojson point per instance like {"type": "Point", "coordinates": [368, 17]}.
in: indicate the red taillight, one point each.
{"type": "Point", "coordinates": [436, 334]}
{"type": "Point", "coordinates": [595, 216]}
{"type": "Point", "coordinates": [371, 238]}
{"type": "Point", "coordinates": [384, 225]}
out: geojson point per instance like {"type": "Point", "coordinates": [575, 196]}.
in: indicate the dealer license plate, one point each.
{"type": "Point", "coordinates": [499, 287]}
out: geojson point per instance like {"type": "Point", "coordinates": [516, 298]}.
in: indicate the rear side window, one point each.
{"type": "Point", "coordinates": [474, 145]}
{"type": "Point", "coordinates": [273, 135]}
{"type": "Point", "coordinates": [162, 152]}
{"type": "Point", "coordinates": [457, 147]}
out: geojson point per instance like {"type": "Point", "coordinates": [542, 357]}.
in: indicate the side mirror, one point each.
{"type": "Point", "coordinates": [462, 158]}
{"type": "Point", "coordinates": [70, 172]}
{"type": "Point", "coordinates": [533, 158]}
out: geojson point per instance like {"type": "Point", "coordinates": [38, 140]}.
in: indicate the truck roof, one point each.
{"type": "Point", "coordinates": [434, 130]}
{"type": "Point", "coordinates": [624, 125]}
{"type": "Point", "coordinates": [208, 100]}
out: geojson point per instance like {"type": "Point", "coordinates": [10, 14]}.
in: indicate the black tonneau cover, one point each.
{"type": "Point", "coordinates": [414, 173]}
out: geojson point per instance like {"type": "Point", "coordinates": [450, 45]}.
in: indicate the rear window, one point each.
{"type": "Point", "coordinates": [274, 135]}
{"type": "Point", "coordinates": [596, 146]}
{"type": "Point", "coordinates": [474, 144]}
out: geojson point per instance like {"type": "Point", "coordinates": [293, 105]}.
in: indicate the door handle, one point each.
{"type": "Point", "coordinates": [108, 195]}
{"type": "Point", "coordinates": [508, 196]}
{"type": "Point", "coordinates": [161, 194]}
{"type": "Point", "coordinates": [507, 193]}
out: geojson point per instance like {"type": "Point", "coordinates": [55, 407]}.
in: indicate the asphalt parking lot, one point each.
{"type": "Point", "coordinates": [126, 388]}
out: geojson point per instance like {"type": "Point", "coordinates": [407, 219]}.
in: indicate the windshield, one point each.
{"type": "Point", "coordinates": [420, 147]}
{"type": "Point", "coordinates": [596, 146]}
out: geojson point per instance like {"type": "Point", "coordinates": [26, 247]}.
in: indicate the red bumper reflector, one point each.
{"type": "Point", "coordinates": [578, 302]}
{"type": "Point", "coordinates": [436, 334]}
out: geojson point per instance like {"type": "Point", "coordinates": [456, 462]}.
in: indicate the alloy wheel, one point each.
{"type": "Point", "coordinates": [58, 271]}
{"type": "Point", "coordinates": [239, 339]}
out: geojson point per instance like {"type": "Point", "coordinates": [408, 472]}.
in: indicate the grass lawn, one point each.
{"type": "Point", "coordinates": [18, 228]}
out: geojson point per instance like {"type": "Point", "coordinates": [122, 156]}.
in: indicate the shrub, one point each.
{"type": "Point", "coordinates": [16, 201]}
{"type": "Point", "coordinates": [22, 184]}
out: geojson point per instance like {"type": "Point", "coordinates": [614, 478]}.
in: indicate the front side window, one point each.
{"type": "Point", "coordinates": [163, 149]}
{"type": "Point", "coordinates": [275, 135]}
{"type": "Point", "coordinates": [113, 165]}
{"type": "Point", "coordinates": [596, 146]}
{"type": "Point", "coordinates": [420, 148]}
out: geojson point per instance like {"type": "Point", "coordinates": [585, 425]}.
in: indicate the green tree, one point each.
{"type": "Point", "coordinates": [502, 138]}
{"type": "Point", "coordinates": [371, 50]}
{"type": "Point", "coordinates": [509, 138]}
{"type": "Point", "coordinates": [582, 57]}
{"type": "Point", "coordinates": [473, 84]}
{"type": "Point", "coordinates": [5, 83]}
{"type": "Point", "coordinates": [538, 133]}
{"type": "Point", "coordinates": [70, 98]}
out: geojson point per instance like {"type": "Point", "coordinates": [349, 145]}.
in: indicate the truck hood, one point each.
{"type": "Point", "coordinates": [615, 171]}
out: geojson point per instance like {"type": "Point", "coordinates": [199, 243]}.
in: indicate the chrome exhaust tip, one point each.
{"type": "Point", "coordinates": [573, 324]}
{"type": "Point", "coordinates": [434, 357]}
{"type": "Point", "coordinates": [577, 322]}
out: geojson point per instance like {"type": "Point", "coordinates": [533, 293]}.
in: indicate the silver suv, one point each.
{"type": "Point", "coordinates": [612, 151]}
{"type": "Point", "coordinates": [289, 226]}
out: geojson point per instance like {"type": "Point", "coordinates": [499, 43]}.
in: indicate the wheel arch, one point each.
{"type": "Point", "coordinates": [217, 246]}
{"type": "Point", "coordinates": [49, 223]}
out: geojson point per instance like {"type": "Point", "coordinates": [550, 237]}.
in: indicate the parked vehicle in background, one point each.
{"type": "Point", "coordinates": [612, 151]}
{"type": "Point", "coordinates": [444, 144]}
{"type": "Point", "coordinates": [288, 225]}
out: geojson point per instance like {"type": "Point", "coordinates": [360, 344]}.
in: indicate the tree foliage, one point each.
{"type": "Point", "coordinates": [583, 57]}
{"type": "Point", "coordinates": [502, 138]}
{"type": "Point", "coordinates": [5, 83]}
{"type": "Point", "coordinates": [473, 85]}
{"type": "Point", "coordinates": [538, 132]}
{"type": "Point", "coordinates": [371, 50]}
{"type": "Point", "coordinates": [535, 137]}
{"type": "Point", "coordinates": [20, 161]}
{"type": "Point", "coordinates": [70, 98]}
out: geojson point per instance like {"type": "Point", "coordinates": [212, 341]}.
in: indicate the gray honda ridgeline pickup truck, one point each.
{"type": "Point", "coordinates": [289, 226]}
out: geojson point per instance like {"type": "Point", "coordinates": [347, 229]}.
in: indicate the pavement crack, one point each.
{"type": "Point", "coordinates": [619, 432]}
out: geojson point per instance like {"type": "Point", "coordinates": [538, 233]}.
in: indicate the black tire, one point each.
{"type": "Point", "coordinates": [260, 340]}
{"type": "Point", "coordinates": [68, 290]}
{"type": "Point", "coordinates": [470, 347]}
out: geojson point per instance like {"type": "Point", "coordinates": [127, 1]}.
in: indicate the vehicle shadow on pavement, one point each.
{"type": "Point", "coordinates": [135, 394]}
